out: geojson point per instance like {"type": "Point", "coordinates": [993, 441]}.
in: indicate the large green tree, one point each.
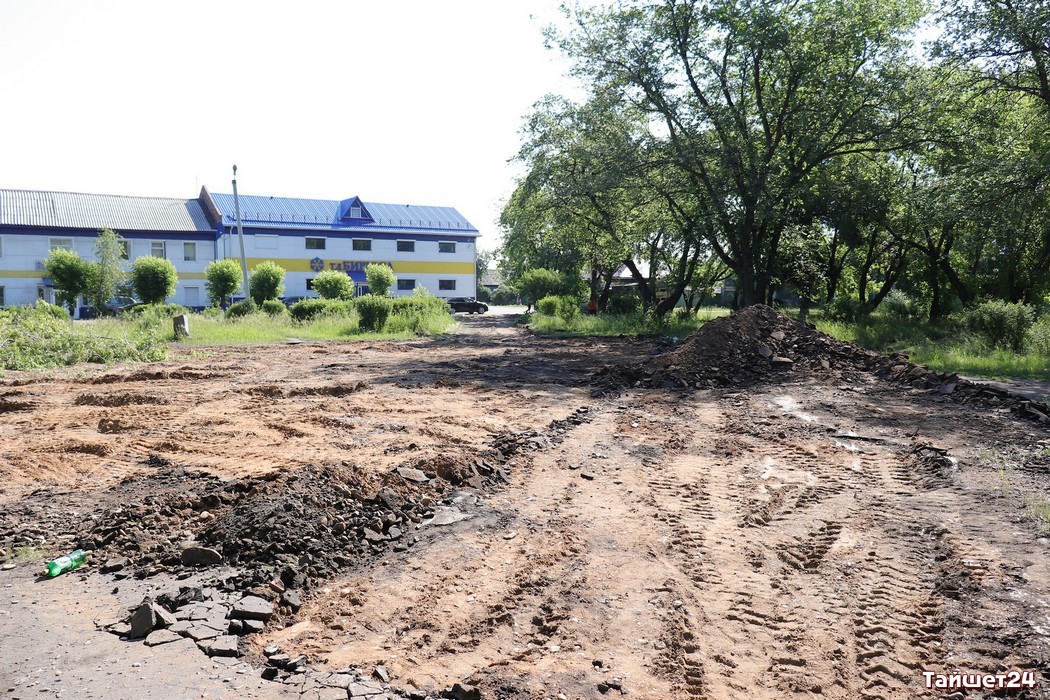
{"type": "Point", "coordinates": [108, 269]}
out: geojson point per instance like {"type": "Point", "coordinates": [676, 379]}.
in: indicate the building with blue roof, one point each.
{"type": "Point", "coordinates": [427, 246]}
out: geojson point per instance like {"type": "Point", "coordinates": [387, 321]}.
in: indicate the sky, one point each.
{"type": "Point", "coordinates": [414, 102]}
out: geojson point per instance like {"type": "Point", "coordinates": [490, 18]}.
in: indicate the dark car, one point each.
{"type": "Point", "coordinates": [467, 305]}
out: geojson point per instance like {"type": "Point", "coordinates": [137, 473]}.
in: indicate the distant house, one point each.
{"type": "Point", "coordinates": [491, 279]}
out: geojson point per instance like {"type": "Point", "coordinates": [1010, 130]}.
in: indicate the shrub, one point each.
{"type": "Point", "coordinates": [505, 295]}
{"type": "Point", "coordinates": [568, 307]}
{"type": "Point", "coordinates": [334, 284]}
{"type": "Point", "coordinates": [374, 312]}
{"type": "Point", "coordinates": [70, 275]}
{"type": "Point", "coordinates": [155, 314]}
{"type": "Point", "coordinates": [1000, 323]}
{"type": "Point", "coordinates": [484, 295]}
{"type": "Point", "coordinates": [309, 309]}
{"type": "Point", "coordinates": [624, 301]}
{"type": "Point", "coordinates": [244, 307]}
{"type": "Point", "coordinates": [421, 314]}
{"type": "Point", "coordinates": [845, 309]}
{"type": "Point", "coordinates": [537, 284]}
{"type": "Point", "coordinates": [274, 307]}
{"type": "Point", "coordinates": [898, 304]}
{"type": "Point", "coordinates": [107, 270]}
{"type": "Point", "coordinates": [224, 278]}
{"type": "Point", "coordinates": [1039, 337]}
{"type": "Point", "coordinates": [266, 282]}
{"type": "Point", "coordinates": [380, 278]}
{"type": "Point", "coordinates": [211, 312]}
{"type": "Point", "coordinates": [548, 306]}
{"type": "Point", "coordinates": [153, 279]}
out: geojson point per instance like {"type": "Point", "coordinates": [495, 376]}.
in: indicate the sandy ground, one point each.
{"type": "Point", "coordinates": [792, 540]}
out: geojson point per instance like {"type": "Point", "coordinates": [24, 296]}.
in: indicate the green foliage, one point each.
{"type": "Point", "coordinates": [540, 283]}
{"type": "Point", "coordinates": [70, 275]}
{"type": "Point", "coordinates": [484, 295]}
{"type": "Point", "coordinates": [153, 279]}
{"type": "Point", "coordinates": [421, 315]}
{"type": "Point", "coordinates": [107, 270]}
{"type": "Point", "coordinates": [566, 307]}
{"type": "Point", "coordinates": [334, 284]}
{"type": "Point", "coordinates": [35, 337]}
{"type": "Point", "coordinates": [242, 308]}
{"type": "Point", "coordinates": [223, 279]}
{"type": "Point", "coordinates": [273, 307]}
{"type": "Point", "coordinates": [1039, 337]}
{"type": "Point", "coordinates": [505, 295]}
{"type": "Point", "coordinates": [154, 314]}
{"type": "Point", "coordinates": [999, 323]}
{"type": "Point", "coordinates": [624, 301]}
{"type": "Point", "coordinates": [380, 278]}
{"type": "Point", "coordinates": [900, 305]}
{"type": "Point", "coordinates": [310, 309]}
{"type": "Point", "coordinates": [266, 282]}
{"type": "Point", "coordinates": [843, 309]}
{"type": "Point", "coordinates": [548, 305]}
{"type": "Point", "coordinates": [374, 311]}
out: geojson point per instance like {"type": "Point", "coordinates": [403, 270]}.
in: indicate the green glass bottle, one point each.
{"type": "Point", "coordinates": [66, 563]}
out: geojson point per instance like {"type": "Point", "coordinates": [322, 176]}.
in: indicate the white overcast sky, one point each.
{"type": "Point", "coordinates": [413, 101]}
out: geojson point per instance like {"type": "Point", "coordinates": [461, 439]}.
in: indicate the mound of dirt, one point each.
{"type": "Point", "coordinates": [760, 345]}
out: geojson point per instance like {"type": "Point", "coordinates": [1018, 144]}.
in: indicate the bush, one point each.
{"type": "Point", "coordinates": [1000, 323]}
{"type": "Point", "coordinates": [548, 306]}
{"type": "Point", "coordinates": [505, 295]}
{"type": "Point", "coordinates": [374, 312]}
{"type": "Point", "coordinates": [844, 309]}
{"type": "Point", "coordinates": [568, 307]}
{"type": "Point", "coordinates": [266, 282]}
{"type": "Point", "coordinates": [244, 307]}
{"type": "Point", "coordinates": [484, 295]}
{"type": "Point", "coordinates": [624, 301]}
{"type": "Point", "coordinates": [148, 315]}
{"type": "Point", "coordinates": [274, 307]}
{"type": "Point", "coordinates": [898, 304]}
{"type": "Point", "coordinates": [70, 275]}
{"type": "Point", "coordinates": [1038, 340]}
{"type": "Point", "coordinates": [309, 309]}
{"type": "Point", "coordinates": [380, 278]}
{"type": "Point", "coordinates": [334, 284]}
{"type": "Point", "coordinates": [224, 278]}
{"type": "Point", "coordinates": [421, 314]}
{"type": "Point", "coordinates": [153, 279]}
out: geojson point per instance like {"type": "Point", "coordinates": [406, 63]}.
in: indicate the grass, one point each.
{"type": "Point", "coordinates": [673, 325]}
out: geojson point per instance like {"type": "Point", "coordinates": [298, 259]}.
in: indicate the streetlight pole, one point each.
{"type": "Point", "coordinates": [240, 234]}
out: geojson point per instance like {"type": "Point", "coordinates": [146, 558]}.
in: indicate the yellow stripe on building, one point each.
{"type": "Point", "coordinates": [23, 273]}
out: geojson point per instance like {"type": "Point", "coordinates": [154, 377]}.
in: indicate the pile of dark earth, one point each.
{"type": "Point", "coordinates": [759, 345]}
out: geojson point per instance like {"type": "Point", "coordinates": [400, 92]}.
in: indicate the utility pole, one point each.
{"type": "Point", "coordinates": [240, 233]}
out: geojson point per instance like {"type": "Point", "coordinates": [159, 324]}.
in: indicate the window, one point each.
{"type": "Point", "coordinates": [446, 285]}
{"type": "Point", "coordinates": [1, 246]}
{"type": "Point", "coordinates": [158, 249]}
{"type": "Point", "coordinates": [3, 299]}
{"type": "Point", "coordinates": [355, 212]}
{"type": "Point", "coordinates": [265, 241]}
{"type": "Point", "coordinates": [315, 243]}
{"type": "Point", "coordinates": [406, 285]}
{"type": "Point", "coordinates": [60, 243]}
{"type": "Point", "coordinates": [125, 250]}
{"type": "Point", "coordinates": [193, 296]}
{"type": "Point", "coordinates": [362, 244]}
{"type": "Point", "coordinates": [406, 246]}
{"type": "Point", "coordinates": [446, 247]}
{"type": "Point", "coordinates": [189, 252]}
{"type": "Point", "coordinates": [310, 284]}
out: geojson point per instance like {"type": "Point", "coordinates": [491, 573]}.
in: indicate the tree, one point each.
{"type": "Point", "coordinates": [266, 282]}
{"type": "Point", "coordinates": [750, 98]}
{"type": "Point", "coordinates": [153, 279]}
{"type": "Point", "coordinates": [334, 284]}
{"type": "Point", "coordinates": [223, 279]}
{"type": "Point", "coordinates": [537, 284]}
{"type": "Point", "coordinates": [107, 270]}
{"type": "Point", "coordinates": [380, 278]}
{"type": "Point", "coordinates": [70, 275]}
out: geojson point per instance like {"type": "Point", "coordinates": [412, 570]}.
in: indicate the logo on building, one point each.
{"type": "Point", "coordinates": [317, 264]}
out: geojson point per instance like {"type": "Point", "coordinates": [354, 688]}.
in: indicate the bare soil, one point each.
{"type": "Point", "coordinates": [786, 530]}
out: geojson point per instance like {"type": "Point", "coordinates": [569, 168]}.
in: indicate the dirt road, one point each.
{"type": "Point", "coordinates": [797, 538]}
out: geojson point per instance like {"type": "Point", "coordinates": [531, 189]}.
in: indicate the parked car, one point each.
{"type": "Point", "coordinates": [468, 305]}
{"type": "Point", "coordinates": [119, 303]}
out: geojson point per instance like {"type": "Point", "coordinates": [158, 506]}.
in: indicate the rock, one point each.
{"type": "Point", "coordinates": [381, 673]}
{"type": "Point", "coordinates": [777, 335]}
{"type": "Point", "coordinates": [947, 388]}
{"type": "Point", "coordinates": [587, 475]}
{"type": "Point", "coordinates": [252, 608]}
{"type": "Point", "coordinates": [7, 567]}
{"type": "Point", "coordinates": [252, 626]}
{"type": "Point", "coordinates": [764, 351]}
{"type": "Point", "coordinates": [364, 688]}
{"type": "Point", "coordinates": [181, 326]}
{"type": "Point", "coordinates": [462, 692]}
{"type": "Point", "coordinates": [158, 637]}
{"type": "Point", "coordinates": [782, 361]}
{"type": "Point", "coordinates": [278, 660]}
{"type": "Point", "coordinates": [236, 627]}
{"type": "Point", "coordinates": [394, 533]}
{"type": "Point", "coordinates": [164, 618]}
{"type": "Point", "coordinates": [200, 556]}
{"type": "Point", "coordinates": [410, 474]}
{"type": "Point", "coordinates": [114, 564]}
{"type": "Point", "coordinates": [226, 645]}
{"type": "Point", "coordinates": [200, 633]}
{"type": "Point", "coordinates": [270, 673]}
{"type": "Point", "coordinates": [270, 650]}
{"type": "Point", "coordinates": [373, 536]}
{"type": "Point", "coordinates": [143, 620]}
{"type": "Point", "coordinates": [293, 599]}
{"type": "Point", "coordinates": [446, 516]}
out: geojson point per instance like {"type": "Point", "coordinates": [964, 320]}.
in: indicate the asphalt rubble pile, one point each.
{"type": "Point", "coordinates": [759, 345]}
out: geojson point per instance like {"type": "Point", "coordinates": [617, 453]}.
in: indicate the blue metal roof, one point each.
{"type": "Point", "coordinates": [325, 214]}
{"type": "Point", "coordinates": [95, 211]}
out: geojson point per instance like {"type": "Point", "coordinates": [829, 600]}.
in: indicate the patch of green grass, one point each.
{"type": "Point", "coordinates": [671, 325]}
{"type": "Point", "coordinates": [26, 553]}
{"type": "Point", "coordinates": [1039, 508]}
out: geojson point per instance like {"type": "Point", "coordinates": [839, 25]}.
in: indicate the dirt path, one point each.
{"type": "Point", "coordinates": [793, 540]}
